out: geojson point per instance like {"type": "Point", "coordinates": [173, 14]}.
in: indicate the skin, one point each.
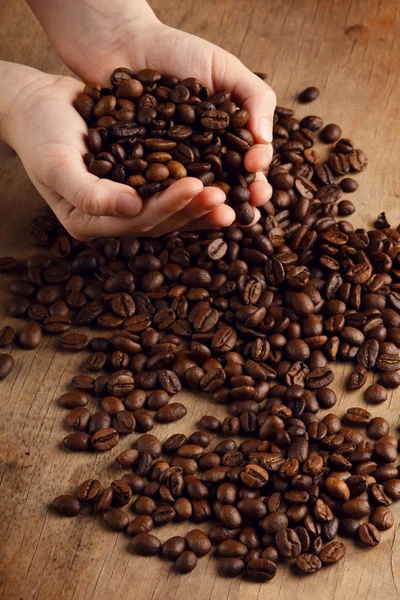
{"type": "Point", "coordinates": [38, 120]}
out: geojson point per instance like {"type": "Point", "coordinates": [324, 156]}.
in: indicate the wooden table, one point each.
{"type": "Point", "coordinates": [351, 51]}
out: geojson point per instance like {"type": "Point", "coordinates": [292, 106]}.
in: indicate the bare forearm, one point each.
{"type": "Point", "coordinates": [78, 28]}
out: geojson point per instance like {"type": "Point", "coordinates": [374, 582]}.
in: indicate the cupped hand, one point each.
{"type": "Point", "coordinates": [50, 138]}
{"type": "Point", "coordinates": [173, 52]}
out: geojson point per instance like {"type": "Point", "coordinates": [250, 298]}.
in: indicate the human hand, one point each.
{"type": "Point", "coordinates": [48, 134]}
{"type": "Point", "coordinates": [133, 37]}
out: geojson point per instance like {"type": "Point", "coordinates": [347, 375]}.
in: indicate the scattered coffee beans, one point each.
{"type": "Point", "coordinates": [250, 316]}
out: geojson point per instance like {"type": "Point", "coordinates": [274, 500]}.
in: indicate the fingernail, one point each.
{"type": "Point", "coordinates": [128, 205]}
{"type": "Point", "coordinates": [265, 129]}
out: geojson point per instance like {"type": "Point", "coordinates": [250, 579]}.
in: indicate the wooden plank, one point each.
{"type": "Point", "coordinates": [351, 51]}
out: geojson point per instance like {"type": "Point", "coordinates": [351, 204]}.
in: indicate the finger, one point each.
{"type": "Point", "coordinates": [157, 208]}
{"type": "Point", "coordinates": [64, 172]}
{"type": "Point", "coordinates": [166, 204]}
{"type": "Point", "coordinates": [221, 216]}
{"type": "Point", "coordinates": [203, 203]}
{"type": "Point", "coordinates": [258, 157]}
{"type": "Point", "coordinates": [260, 190]}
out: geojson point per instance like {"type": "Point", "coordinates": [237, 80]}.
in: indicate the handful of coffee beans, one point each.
{"type": "Point", "coordinates": [148, 130]}
{"type": "Point", "coordinates": [251, 316]}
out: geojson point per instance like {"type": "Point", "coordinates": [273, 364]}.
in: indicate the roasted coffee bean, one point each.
{"type": "Point", "coordinates": [105, 439]}
{"type": "Point", "coordinates": [75, 341]}
{"type": "Point", "coordinates": [231, 567]}
{"type": "Point", "coordinates": [186, 562]}
{"type": "Point", "coordinates": [7, 335]}
{"type": "Point", "coordinates": [308, 563]}
{"type": "Point", "coordinates": [376, 394]}
{"type": "Point", "coordinates": [198, 542]}
{"type": "Point", "coordinates": [173, 547]}
{"type": "Point", "coordinates": [6, 365]}
{"type": "Point", "coordinates": [146, 544]}
{"type": "Point", "coordinates": [74, 399]}
{"type": "Point", "coordinates": [89, 490]}
{"type": "Point", "coordinates": [115, 519]}
{"type": "Point", "coordinates": [68, 506]}
{"type": "Point", "coordinates": [309, 94]}
{"type": "Point", "coordinates": [288, 543]}
{"type": "Point", "coordinates": [382, 518]}
{"type": "Point", "coordinates": [78, 418]}
{"type": "Point", "coordinates": [261, 569]}
{"type": "Point", "coordinates": [30, 336]}
{"type": "Point", "coordinates": [332, 553]}
{"type": "Point", "coordinates": [369, 534]}
{"type": "Point", "coordinates": [330, 133]}
{"type": "Point", "coordinates": [77, 441]}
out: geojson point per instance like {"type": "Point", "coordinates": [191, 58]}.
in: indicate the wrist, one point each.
{"type": "Point", "coordinates": [97, 31]}
{"type": "Point", "coordinates": [17, 82]}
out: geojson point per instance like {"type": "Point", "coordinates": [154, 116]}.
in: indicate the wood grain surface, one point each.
{"type": "Point", "coordinates": [351, 51]}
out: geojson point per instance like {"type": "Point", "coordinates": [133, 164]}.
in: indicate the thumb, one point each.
{"type": "Point", "coordinates": [63, 171]}
{"type": "Point", "coordinates": [254, 95]}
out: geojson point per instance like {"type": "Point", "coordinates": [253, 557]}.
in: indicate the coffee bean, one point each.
{"type": "Point", "coordinates": [186, 562]}
{"type": "Point", "coordinates": [330, 133]}
{"type": "Point", "coordinates": [105, 439]}
{"type": "Point", "coordinates": [288, 543]}
{"type": "Point", "coordinates": [198, 542]}
{"type": "Point", "coordinates": [382, 518]}
{"type": "Point", "coordinates": [6, 365]}
{"type": "Point", "coordinates": [78, 418]}
{"type": "Point", "coordinates": [332, 553]}
{"type": "Point", "coordinates": [308, 563]}
{"type": "Point", "coordinates": [7, 335]}
{"type": "Point", "coordinates": [309, 94]}
{"type": "Point", "coordinates": [173, 547]}
{"type": "Point", "coordinates": [75, 341]}
{"type": "Point", "coordinates": [358, 416]}
{"type": "Point", "coordinates": [68, 506]}
{"type": "Point", "coordinates": [74, 399]}
{"type": "Point", "coordinates": [376, 394]}
{"type": "Point", "coordinates": [89, 490]}
{"type": "Point", "coordinates": [261, 569]}
{"type": "Point", "coordinates": [30, 336]}
{"type": "Point", "coordinates": [77, 441]}
{"type": "Point", "coordinates": [115, 519]}
{"type": "Point", "coordinates": [146, 544]}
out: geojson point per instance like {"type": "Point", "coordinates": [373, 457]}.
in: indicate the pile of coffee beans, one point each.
{"type": "Point", "coordinates": [285, 495]}
{"type": "Point", "coordinates": [252, 316]}
{"type": "Point", "coordinates": [148, 130]}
